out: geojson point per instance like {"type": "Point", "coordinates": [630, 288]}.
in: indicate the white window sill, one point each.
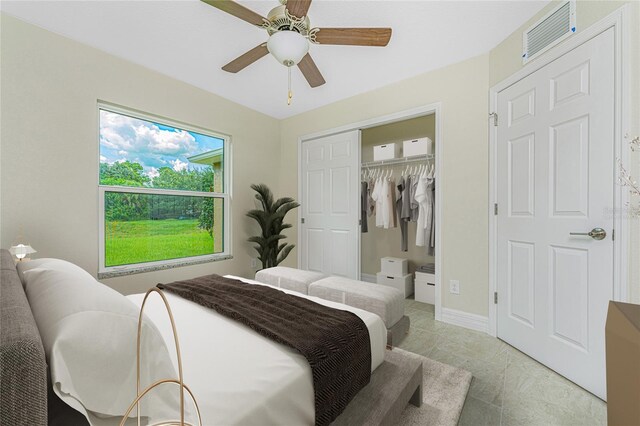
{"type": "Point", "coordinates": [139, 269]}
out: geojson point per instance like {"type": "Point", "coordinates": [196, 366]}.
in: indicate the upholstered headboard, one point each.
{"type": "Point", "coordinates": [23, 368]}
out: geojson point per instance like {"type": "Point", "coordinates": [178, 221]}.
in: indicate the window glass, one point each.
{"type": "Point", "coordinates": [163, 192]}
{"type": "Point", "coordinates": [148, 228]}
{"type": "Point", "coordinates": [141, 153]}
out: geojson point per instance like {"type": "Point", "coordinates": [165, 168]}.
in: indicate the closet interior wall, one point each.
{"type": "Point", "coordinates": [377, 242]}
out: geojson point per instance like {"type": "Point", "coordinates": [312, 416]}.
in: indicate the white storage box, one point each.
{"type": "Point", "coordinates": [387, 151]}
{"type": "Point", "coordinates": [420, 146]}
{"type": "Point", "coordinates": [425, 288]}
{"type": "Point", "coordinates": [404, 284]}
{"type": "Point", "coordinates": [394, 266]}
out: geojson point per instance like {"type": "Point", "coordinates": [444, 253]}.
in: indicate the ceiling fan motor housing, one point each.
{"type": "Point", "coordinates": [280, 20]}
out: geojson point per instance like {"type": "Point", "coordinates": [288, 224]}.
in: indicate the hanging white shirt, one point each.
{"type": "Point", "coordinates": [378, 197]}
{"type": "Point", "coordinates": [423, 228]}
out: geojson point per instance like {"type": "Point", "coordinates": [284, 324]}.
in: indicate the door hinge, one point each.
{"type": "Point", "coordinates": [302, 220]}
{"type": "Point", "coordinates": [494, 115]}
{"type": "Point", "coordinates": [613, 235]}
{"type": "Point", "coordinates": [495, 297]}
{"type": "Point", "coordinates": [495, 209]}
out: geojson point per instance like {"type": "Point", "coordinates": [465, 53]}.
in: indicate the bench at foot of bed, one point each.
{"type": "Point", "coordinates": [394, 384]}
{"type": "Point", "coordinates": [386, 302]}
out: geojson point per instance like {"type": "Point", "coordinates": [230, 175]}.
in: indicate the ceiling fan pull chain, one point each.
{"type": "Point", "coordinates": [290, 93]}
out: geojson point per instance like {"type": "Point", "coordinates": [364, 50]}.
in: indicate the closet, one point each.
{"type": "Point", "coordinates": [406, 231]}
{"type": "Point", "coordinates": [334, 211]}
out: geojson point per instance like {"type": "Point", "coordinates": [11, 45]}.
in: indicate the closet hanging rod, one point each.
{"type": "Point", "coordinates": [404, 160]}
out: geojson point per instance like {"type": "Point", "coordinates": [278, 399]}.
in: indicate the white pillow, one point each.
{"type": "Point", "coordinates": [89, 333]}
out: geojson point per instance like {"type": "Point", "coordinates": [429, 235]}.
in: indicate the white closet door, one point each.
{"type": "Point", "coordinates": [555, 178]}
{"type": "Point", "coordinates": [330, 205]}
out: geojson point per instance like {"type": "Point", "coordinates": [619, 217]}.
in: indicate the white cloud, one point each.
{"type": "Point", "coordinates": [103, 159]}
{"type": "Point", "coordinates": [153, 172]}
{"type": "Point", "coordinates": [131, 138]}
{"type": "Point", "coordinates": [178, 165]}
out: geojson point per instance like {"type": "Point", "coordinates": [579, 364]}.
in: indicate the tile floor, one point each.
{"type": "Point", "coordinates": [508, 387]}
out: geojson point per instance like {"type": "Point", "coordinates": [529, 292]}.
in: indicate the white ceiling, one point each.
{"type": "Point", "coordinates": [191, 41]}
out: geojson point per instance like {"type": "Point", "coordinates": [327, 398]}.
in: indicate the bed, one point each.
{"type": "Point", "coordinates": [238, 377]}
{"type": "Point", "coordinates": [250, 380]}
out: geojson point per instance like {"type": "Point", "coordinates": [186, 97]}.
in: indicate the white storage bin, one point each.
{"type": "Point", "coordinates": [404, 283]}
{"type": "Point", "coordinates": [420, 146]}
{"type": "Point", "coordinates": [387, 151]}
{"type": "Point", "coordinates": [425, 288]}
{"type": "Point", "coordinates": [394, 266]}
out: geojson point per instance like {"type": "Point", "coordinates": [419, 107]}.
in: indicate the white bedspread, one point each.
{"type": "Point", "coordinates": [238, 376]}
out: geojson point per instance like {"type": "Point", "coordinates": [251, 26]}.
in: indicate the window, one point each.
{"type": "Point", "coordinates": [164, 193]}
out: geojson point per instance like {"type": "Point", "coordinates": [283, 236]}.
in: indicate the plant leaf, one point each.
{"type": "Point", "coordinates": [284, 253]}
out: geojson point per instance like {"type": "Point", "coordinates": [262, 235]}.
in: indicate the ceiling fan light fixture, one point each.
{"type": "Point", "coordinates": [288, 47]}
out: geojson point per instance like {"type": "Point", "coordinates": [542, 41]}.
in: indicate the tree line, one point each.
{"type": "Point", "coordinates": [120, 206]}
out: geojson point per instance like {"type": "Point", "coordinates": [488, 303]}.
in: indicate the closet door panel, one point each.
{"type": "Point", "coordinates": [314, 249]}
{"type": "Point", "coordinates": [340, 191]}
{"type": "Point", "coordinates": [314, 194]}
{"type": "Point", "coordinates": [330, 205]}
{"type": "Point", "coordinates": [339, 243]}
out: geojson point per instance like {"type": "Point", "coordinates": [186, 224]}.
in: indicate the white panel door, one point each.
{"type": "Point", "coordinates": [556, 177]}
{"type": "Point", "coordinates": [330, 205]}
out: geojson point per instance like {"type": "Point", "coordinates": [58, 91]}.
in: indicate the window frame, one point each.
{"type": "Point", "coordinates": [135, 268]}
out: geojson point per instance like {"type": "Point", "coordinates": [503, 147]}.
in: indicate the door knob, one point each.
{"type": "Point", "coordinates": [595, 233]}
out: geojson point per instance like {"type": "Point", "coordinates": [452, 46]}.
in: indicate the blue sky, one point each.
{"type": "Point", "coordinates": [150, 144]}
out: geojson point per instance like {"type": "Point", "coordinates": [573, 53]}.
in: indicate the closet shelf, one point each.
{"type": "Point", "coordinates": [403, 160]}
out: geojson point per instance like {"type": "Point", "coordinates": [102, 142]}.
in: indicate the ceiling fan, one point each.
{"type": "Point", "coordinates": [290, 32]}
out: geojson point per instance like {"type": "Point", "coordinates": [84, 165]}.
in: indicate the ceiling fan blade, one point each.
{"type": "Point", "coordinates": [247, 59]}
{"type": "Point", "coordinates": [298, 8]}
{"type": "Point", "coordinates": [237, 10]}
{"type": "Point", "coordinates": [311, 71]}
{"type": "Point", "coordinates": [354, 36]}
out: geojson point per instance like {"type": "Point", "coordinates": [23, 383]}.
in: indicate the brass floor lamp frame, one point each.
{"type": "Point", "coordinates": [136, 402]}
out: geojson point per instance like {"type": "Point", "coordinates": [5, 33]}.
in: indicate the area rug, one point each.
{"type": "Point", "coordinates": [444, 390]}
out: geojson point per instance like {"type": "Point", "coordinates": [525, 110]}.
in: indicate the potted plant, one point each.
{"type": "Point", "coordinates": [271, 251]}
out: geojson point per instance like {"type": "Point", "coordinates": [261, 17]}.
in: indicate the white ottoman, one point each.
{"type": "Point", "coordinates": [288, 278]}
{"type": "Point", "coordinates": [386, 302]}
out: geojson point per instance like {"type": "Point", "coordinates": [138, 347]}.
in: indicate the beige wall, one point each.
{"type": "Point", "coordinates": [463, 90]}
{"type": "Point", "coordinates": [378, 242]}
{"type": "Point", "coordinates": [506, 59]}
{"type": "Point", "coordinates": [50, 86]}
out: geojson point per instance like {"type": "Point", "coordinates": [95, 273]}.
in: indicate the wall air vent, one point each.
{"type": "Point", "coordinates": [550, 30]}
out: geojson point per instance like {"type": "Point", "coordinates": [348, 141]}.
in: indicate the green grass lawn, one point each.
{"type": "Point", "coordinates": [152, 240]}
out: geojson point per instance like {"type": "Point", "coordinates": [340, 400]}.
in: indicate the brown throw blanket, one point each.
{"type": "Point", "coordinates": [335, 342]}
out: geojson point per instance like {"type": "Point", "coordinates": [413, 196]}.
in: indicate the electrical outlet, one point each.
{"type": "Point", "coordinates": [253, 263]}
{"type": "Point", "coordinates": [454, 286]}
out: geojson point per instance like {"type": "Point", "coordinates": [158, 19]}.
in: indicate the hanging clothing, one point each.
{"type": "Point", "coordinates": [424, 198]}
{"type": "Point", "coordinates": [364, 201]}
{"type": "Point", "coordinates": [405, 211]}
{"type": "Point", "coordinates": [402, 197]}
{"type": "Point", "coordinates": [432, 246]}
{"type": "Point", "coordinates": [414, 206]}
{"type": "Point", "coordinates": [431, 200]}
{"type": "Point", "coordinates": [371, 204]}
{"type": "Point", "coordinates": [393, 218]}
{"type": "Point", "coordinates": [378, 196]}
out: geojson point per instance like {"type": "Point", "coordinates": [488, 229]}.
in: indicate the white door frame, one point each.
{"type": "Point", "coordinates": [434, 108]}
{"type": "Point", "coordinates": [619, 21]}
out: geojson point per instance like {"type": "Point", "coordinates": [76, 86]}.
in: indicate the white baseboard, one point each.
{"type": "Point", "coordinates": [368, 278]}
{"type": "Point", "coordinates": [466, 320]}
